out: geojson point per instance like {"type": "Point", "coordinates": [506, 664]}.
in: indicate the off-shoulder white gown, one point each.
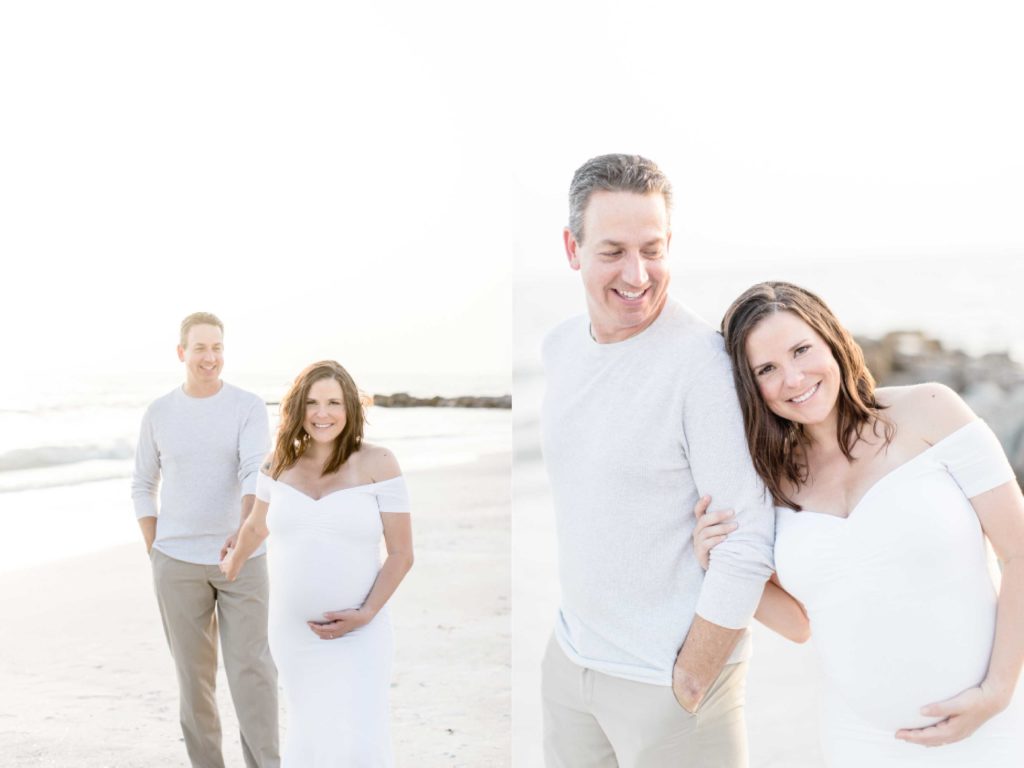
{"type": "Point", "coordinates": [902, 604]}
{"type": "Point", "coordinates": [324, 555]}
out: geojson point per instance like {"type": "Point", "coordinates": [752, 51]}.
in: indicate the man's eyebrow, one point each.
{"type": "Point", "coordinates": [617, 244]}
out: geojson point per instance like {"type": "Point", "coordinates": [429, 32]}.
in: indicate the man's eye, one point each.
{"type": "Point", "coordinates": [611, 253]}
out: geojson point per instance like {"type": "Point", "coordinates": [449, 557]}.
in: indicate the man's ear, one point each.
{"type": "Point", "coordinates": [571, 249]}
{"type": "Point", "coordinates": [181, 353]}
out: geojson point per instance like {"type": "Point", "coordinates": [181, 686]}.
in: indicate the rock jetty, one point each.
{"type": "Point", "coordinates": [992, 384]}
{"type": "Point", "coordinates": [405, 400]}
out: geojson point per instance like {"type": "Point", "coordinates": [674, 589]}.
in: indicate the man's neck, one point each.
{"type": "Point", "coordinates": [201, 389]}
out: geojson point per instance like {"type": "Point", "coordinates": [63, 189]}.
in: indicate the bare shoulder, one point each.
{"type": "Point", "coordinates": [930, 411]}
{"type": "Point", "coordinates": [378, 462]}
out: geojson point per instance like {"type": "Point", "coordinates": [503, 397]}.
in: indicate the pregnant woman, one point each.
{"type": "Point", "coordinates": [328, 497]}
{"type": "Point", "coordinates": [884, 499]}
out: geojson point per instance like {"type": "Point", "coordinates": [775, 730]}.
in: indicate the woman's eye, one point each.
{"type": "Point", "coordinates": [801, 350]}
{"type": "Point", "coordinates": [767, 369]}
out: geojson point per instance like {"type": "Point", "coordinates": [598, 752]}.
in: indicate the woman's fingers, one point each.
{"type": "Point", "coordinates": [712, 519]}
{"type": "Point", "coordinates": [719, 531]}
{"type": "Point", "coordinates": [702, 507]}
{"type": "Point", "coordinates": [713, 541]}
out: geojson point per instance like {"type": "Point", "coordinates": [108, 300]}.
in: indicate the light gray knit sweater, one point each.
{"type": "Point", "coordinates": [634, 433]}
{"type": "Point", "coordinates": [202, 453]}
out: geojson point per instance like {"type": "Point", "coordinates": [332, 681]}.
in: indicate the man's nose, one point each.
{"type": "Point", "coordinates": [634, 270]}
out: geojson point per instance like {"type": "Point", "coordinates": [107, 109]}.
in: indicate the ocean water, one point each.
{"type": "Point", "coordinates": [67, 451]}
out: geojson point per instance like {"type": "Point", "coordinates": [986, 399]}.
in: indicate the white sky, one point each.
{"type": "Point", "coordinates": [360, 184]}
{"type": "Point", "coordinates": [307, 173]}
{"type": "Point", "coordinates": [810, 129]}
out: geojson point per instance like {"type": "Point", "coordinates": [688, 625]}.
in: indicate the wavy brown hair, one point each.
{"type": "Point", "coordinates": [292, 438]}
{"type": "Point", "coordinates": [777, 445]}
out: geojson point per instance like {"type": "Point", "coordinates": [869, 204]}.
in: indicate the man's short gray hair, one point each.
{"type": "Point", "coordinates": [198, 318]}
{"type": "Point", "coordinates": [614, 173]}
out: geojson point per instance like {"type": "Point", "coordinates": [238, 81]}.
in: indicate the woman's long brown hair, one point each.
{"type": "Point", "coordinates": [777, 445]}
{"type": "Point", "coordinates": [292, 438]}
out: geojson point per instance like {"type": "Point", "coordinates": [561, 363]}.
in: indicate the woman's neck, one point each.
{"type": "Point", "coordinates": [318, 454]}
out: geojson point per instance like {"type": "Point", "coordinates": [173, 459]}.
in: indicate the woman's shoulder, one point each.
{"type": "Point", "coordinates": [930, 411]}
{"type": "Point", "coordinates": [377, 462]}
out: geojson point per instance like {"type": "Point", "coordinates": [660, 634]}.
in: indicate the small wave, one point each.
{"type": "Point", "coordinates": [58, 455]}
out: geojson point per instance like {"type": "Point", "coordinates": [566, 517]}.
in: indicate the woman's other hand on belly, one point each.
{"type": "Point", "coordinates": [339, 623]}
{"type": "Point", "coordinates": [963, 715]}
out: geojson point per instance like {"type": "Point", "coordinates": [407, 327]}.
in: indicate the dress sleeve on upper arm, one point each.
{"type": "Point", "coordinates": [264, 483]}
{"type": "Point", "coordinates": [393, 495]}
{"type": "Point", "coordinates": [975, 459]}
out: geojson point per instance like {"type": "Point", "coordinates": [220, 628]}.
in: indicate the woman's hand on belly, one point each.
{"type": "Point", "coordinates": [338, 623]}
{"type": "Point", "coordinates": [964, 714]}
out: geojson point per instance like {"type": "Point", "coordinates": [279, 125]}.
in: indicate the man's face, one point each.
{"type": "Point", "coordinates": [203, 354]}
{"type": "Point", "coordinates": [623, 260]}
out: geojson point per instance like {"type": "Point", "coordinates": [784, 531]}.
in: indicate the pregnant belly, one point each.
{"type": "Point", "coordinates": [888, 661]}
{"type": "Point", "coordinates": [305, 582]}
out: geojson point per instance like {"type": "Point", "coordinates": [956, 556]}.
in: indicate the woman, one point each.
{"type": "Point", "coordinates": [328, 497]}
{"type": "Point", "coordinates": [884, 500]}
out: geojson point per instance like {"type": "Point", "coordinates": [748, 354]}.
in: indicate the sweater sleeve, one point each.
{"type": "Point", "coordinates": [253, 445]}
{"type": "Point", "coordinates": [716, 448]}
{"type": "Point", "coordinates": [146, 475]}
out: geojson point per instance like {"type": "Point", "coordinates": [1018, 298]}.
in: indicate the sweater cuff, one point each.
{"type": "Point", "coordinates": [145, 506]}
{"type": "Point", "coordinates": [729, 600]}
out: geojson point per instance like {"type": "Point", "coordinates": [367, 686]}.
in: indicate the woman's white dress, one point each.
{"type": "Point", "coordinates": [324, 555]}
{"type": "Point", "coordinates": [902, 605]}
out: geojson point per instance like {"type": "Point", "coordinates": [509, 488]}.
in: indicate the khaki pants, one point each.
{"type": "Point", "coordinates": [187, 595]}
{"type": "Point", "coordinates": [594, 720]}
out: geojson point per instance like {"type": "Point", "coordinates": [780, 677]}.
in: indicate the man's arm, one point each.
{"type": "Point", "coordinates": [146, 481]}
{"type": "Point", "coordinates": [706, 650]}
{"type": "Point", "coordinates": [253, 446]}
{"type": "Point", "coordinates": [248, 502]}
{"type": "Point", "coordinates": [148, 527]}
{"type": "Point", "coordinates": [716, 448]}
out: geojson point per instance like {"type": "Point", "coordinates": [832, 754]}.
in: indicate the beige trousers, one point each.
{"type": "Point", "coordinates": [594, 720]}
{"type": "Point", "coordinates": [188, 595]}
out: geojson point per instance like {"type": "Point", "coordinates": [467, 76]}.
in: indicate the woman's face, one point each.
{"type": "Point", "coordinates": [794, 369]}
{"type": "Point", "coordinates": [325, 411]}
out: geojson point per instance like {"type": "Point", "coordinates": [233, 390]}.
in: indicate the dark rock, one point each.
{"type": "Point", "coordinates": [991, 384]}
{"type": "Point", "coordinates": [405, 400]}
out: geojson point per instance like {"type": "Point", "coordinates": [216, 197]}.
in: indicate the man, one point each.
{"type": "Point", "coordinates": [640, 419]}
{"type": "Point", "coordinates": [202, 445]}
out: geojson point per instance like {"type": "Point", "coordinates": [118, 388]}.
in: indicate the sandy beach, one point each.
{"type": "Point", "coordinates": [87, 679]}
